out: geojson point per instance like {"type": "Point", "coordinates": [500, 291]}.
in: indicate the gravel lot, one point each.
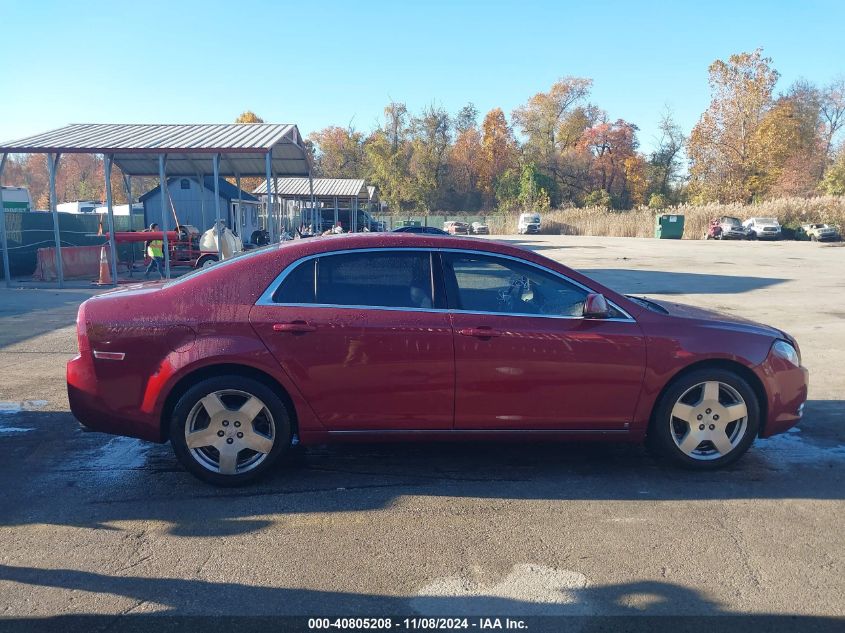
{"type": "Point", "coordinates": [94, 524]}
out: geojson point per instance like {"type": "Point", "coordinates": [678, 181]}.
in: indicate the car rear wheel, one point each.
{"type": "Point", "coordinates": [706, 419]}
{"type": "Point", "coordinates": [228, 430]}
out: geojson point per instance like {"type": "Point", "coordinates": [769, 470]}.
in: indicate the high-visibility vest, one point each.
{"type": "Point", "coordinates": [154, 249]}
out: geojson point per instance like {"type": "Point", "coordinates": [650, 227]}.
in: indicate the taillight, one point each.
{"type": "Point", "coordinates": [82, 331]}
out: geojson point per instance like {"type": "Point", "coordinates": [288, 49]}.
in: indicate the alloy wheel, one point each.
{"type": "Point", "coordinates": [230, 431]}
{"type": "Point", "coordinates": [709, 420]}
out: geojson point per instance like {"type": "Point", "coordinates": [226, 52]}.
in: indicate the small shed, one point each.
{"type": "Point", "coordinates": [194, 204]}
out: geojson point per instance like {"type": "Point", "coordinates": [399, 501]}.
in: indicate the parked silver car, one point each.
{"type": "Point", "coordinates": [732, 229]}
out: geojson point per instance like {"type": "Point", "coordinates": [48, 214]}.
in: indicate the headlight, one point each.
{"type": "Point", "coordinates": [784, 350]}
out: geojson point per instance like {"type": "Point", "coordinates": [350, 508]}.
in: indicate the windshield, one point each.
{"type": "Point", "coordinates": [731, 221]}
{"type": "Point", "coordinates": [766, 221]}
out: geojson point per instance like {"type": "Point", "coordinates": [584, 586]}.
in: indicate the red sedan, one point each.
{"type": "Point", "coordinates": [394, 336]}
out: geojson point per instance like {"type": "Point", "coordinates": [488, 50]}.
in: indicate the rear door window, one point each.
{"type": "Point", "coordinates": [380, 279]}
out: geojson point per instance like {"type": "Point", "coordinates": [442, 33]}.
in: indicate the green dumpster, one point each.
{"type": "Point", "coordinates": [670, 226]}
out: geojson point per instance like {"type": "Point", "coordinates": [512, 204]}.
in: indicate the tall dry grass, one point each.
{"type": "Point", "coordinates": [791, 212]}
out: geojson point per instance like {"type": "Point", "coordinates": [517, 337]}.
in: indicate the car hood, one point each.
{"type": "Point", "coordinates": [718, 319]}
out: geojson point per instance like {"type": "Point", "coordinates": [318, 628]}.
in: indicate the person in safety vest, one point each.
{"type": "Point", "coordinates": [155, 253]}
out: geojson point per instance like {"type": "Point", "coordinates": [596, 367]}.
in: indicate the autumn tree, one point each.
{"type": "Point", "coordinates": [466, 119]}
{"type": "Point", "coordinates": [498, 151]}
{"type": "Point", "coordinates": [388, 158]}
{"type": "Point", "coordinates": [611, 145]}
{"type": "Point", "coordinates": [248, 116]}
{"type": "Point", "coordinates": [465, 159]}
{"type": "Point", "coordinates": [339, 152]}
{"type": "Point", "coordinates": [665, 162]}
{"type": "Point", "coordinates": [834, 178]}
{"type": "Point", "coordinates": [552, 123]}
{"type": "Point", "coordinates": [430, 140]}
{"type": "Point", "coordinates": [789, 153]}
{"type": "Point", "coordinates": [248, 184]}
{"type": "Point", "coordinates": [721, 147]}
{"type": "Point", "coordinates": [832, 115]}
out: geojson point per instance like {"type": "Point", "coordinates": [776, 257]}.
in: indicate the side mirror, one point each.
{"type": "Point", "coordinates": [595, 306]}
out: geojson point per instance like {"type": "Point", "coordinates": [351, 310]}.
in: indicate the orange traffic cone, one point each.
{"type": "Point", "coordinates": [105, 269]}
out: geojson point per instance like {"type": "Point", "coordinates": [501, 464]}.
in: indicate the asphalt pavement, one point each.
{"type": "Point", "coordinates": [96, 524]}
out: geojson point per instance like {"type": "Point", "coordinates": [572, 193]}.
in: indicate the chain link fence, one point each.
{"type": "Point", "coordinates": [495, 222]}
{"type": "Point", "coordinates": [29, 231]}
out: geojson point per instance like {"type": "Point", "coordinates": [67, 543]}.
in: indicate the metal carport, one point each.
{"type": "Point", "coordinates": [230, 150]}
{"type": "Point", "coordinates": [321, 191]}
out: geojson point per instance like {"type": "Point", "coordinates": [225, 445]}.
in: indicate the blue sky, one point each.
{"type": "Point", "coordinates": [323, 63]}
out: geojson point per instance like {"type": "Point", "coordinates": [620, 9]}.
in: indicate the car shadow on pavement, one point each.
{"type": "Point", "coordinates": [177, 596]}
{"type": "Point", "coordinates": [54, 473]}
{"type": "Point", "coordinates": [632, 281]}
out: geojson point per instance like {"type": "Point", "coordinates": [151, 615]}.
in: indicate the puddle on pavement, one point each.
{"type": "Point", "coordinates": [120, 453]}
{"type": "Point", "coordinates": [8, 408]}
{"type": "Point", "coordinates": [792, 449]}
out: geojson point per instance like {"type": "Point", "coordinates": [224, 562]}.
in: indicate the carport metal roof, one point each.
{"type": "Point", "coordinates": [323, 187]}
{"type": "Point", "coordinates": [136, 147]}
{"type": "Point", "coordinates": [228, 149]}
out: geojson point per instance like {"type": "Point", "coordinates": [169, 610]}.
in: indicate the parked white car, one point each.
{"type": "Point", "coordinates": [528, 223]}
{"type": "Point", "coordinates": [763, 228]}
{"type": "Point", "coordinates": [479, 228]}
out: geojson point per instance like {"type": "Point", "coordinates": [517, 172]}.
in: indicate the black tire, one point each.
{"type": "Point", "coordinates": [206, 260]}
{"type": "Point", "coordinates": [281, 436]}
{"type": "Point", "coordinates": [752, 235]}
{"type": "Point", "coordinates": [661, 430]}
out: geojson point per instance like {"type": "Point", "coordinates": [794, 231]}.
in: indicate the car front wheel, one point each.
{"type": "Point", "coordinates": [228, 430]}
{"type": "Point", "coordinates": [706, 419]}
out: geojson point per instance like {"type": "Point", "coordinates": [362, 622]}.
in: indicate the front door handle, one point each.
{"type": "Point", "coordinates": [483, 331]}
{"type": "Point", "coordinates": [297, 327]}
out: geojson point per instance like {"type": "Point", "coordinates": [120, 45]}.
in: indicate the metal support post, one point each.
{"type": "Point", "coordinates": [162, 175]}
{"type": "Point", "coordinates": [218, 230]}
{"type": "Point", "coordinates": [4, 244]}
{"type": "Point", "coordinates": [110, 214]}
{"type": "Point", "coordinates": [52, 166]}
{"type": "Point", "coordinates": [268, 167]}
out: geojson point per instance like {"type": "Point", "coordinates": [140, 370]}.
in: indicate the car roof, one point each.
{"type": "Point", "coordinates": [270, 259]}
{"type": "Point", "coordinates": [402, 239]}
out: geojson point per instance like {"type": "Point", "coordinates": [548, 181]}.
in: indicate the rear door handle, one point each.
{"type": "Point", "coordinates": [479, 332]}
{"type": "Point", "coordinates": [297, 327]}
